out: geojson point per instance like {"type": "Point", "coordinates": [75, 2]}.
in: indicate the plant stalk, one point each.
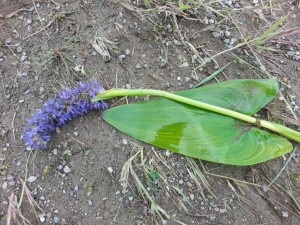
{"type": "Point", "coordinates": [284, 131]}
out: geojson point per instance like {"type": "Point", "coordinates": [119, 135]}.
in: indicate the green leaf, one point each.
{"type": "Point", "coordinates": [271, 31]}
{"type": "Point", "coordinates": [183, 6]}
{"type": "Point", "coordinates": [213, 75]}
{"type": "Point", "coordinates": [153, 174]}
{"type": "Point", "coordinates": [203, 134]}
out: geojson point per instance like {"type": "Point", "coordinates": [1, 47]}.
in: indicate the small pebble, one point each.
{"type": "Point", "coordinates": [4, 185]}
{"type": "Point", "coordinates": [212, 217]}
{"type": "Point", "coordinates": [222, 211]}
{"type": "Point", "coordinates": [127, 86]}
{"type": "Point", "coordinates": [285, 214]}
{"type": "Point", "coordinates": [122, 56]}
{"type": "Point", "coordinates": [195, 77]}
{"type": "Point", "coordinates": [29, 21]}
{"type": "Point", "coordinates": [227, 33]}
{"type": "Point", "coordinates": [22, 74]}
{"type": "Point", "coordinates": [138, 66]}
{"type": "Point", "coordinates": [31, 179]}
{"type": "Point", "coordinates": [5, 202]}
{"type": "Point", "coordinates": [23, 58]}
{"type": "Point", "coordinates": [67, 169]}
{"type": "Point", "coordinates": [130, 198]}
{"type": "Point", "coordinates": [42, 218]}
{"type": "Point", "coordinates": [192, 197]}
{"type": "Point", "coordinates": [226, 41]}
{"type": "Point", "coordinates": [110, 169]}
{"type": "Point", "coordinates": [77, 68]}
{"type": "Point", "coordinates": [127, 52]}
{"type": "Point", "coordinates": [290, 53]}
{"type": "Point", "coordinates": [8, 40]}
{"type": "Point", "coordinates": [125, 142]}
{"type": "Point", "coordinates": [189, 184]}
{"type": "Point", "coordinates": [216, 34]}
{"type": "Point", "coordinates": [176, 42]}
{"type": "Point", "coordinates": [19, 49]}
{"type": "Point", "coordinates": [90, 202]}
{"type": "Point", "coordinates": [42, 90]}
{"type": "Point", "coordinates": [55, 219]}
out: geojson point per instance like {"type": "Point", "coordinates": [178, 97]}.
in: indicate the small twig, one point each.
{"type": "Point", "coordinates": [11, 209]}
{"type": "Point", "coordinates": [13, 124]}
{"type": "Point", "coordinates": [37, 12]}
{"type": "Point", "coordinates": [200, 215]}
{"type": "Point", "coordinates": [115, 218]}
{"type": "Point", "coordinates": [177, 29]}
{"type": "Point", "coordinates": [283, 168]}
{"type": "Point", "coordinates": [61, 15]}
{"type": "Point", "coordinates": [14, 13]}
{"type": "Point", "coordinates": [80, 142]}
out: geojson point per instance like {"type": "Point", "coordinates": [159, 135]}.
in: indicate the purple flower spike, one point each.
{"type": "Point", "coordinates": [66, 105]}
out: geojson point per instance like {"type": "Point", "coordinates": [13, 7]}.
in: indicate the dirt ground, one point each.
{"type": "Point", "coordinates": [47, 45]}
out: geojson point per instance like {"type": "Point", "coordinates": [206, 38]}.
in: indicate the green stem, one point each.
{"type": "Point", "coordinates": [284, 131]}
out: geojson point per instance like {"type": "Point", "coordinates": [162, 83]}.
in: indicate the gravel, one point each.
{"type": "Point", "coordinates": [127, 52]}
{"type": "Point", "coordinates": [67, 170]}
{"type": "Point", "coordinates": [31, 179]}
{"type": "Point", "coordinates": [55, 219]}
{"type": "Point", "coordinates": [19, 49]}
{"type": "Point", "coordinates": [122, 56]}
{"type": "Point", "coordinates": [216, 34]}
{"type": "Point", "coordinates": [8, 40]}
{"type": "Point", "coordinates": [124, 141]}
{"type": "Point", "coordinates": [138, 66]}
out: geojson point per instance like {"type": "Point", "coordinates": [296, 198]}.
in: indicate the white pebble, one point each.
{"type": "Point", "coordinates": [110, 169]}
{"type": "Point", "coordinates": [127, 52]}
{"type": "Point", "coordinates": [67, 169]}
{"type": "Point", "coordinates": [31, 179]}
{"type": "Point", "coordinates": [125, 142]}
{"type": "Point", "coordinates": [192, 197]}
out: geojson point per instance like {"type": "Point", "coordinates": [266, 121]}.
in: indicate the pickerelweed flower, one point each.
{"type": "Point", "coordinates": [66, 105]}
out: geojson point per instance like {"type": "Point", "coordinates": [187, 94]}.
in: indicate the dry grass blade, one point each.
{"type": "Point", "coordinates": [104, 47]}
{"type": "Point", "coordinates": [197, 175]}
{"type": "Point", "coordinates": [176, 193]}
{"type": "Point", "coordinates": [156, 210]}
{"type": "Point", "coordinates": [288, 33]}
{"type": "Point", "coordinates": [11, 209]}
{"type": "Point", "coordinates": [283, 168]}
{"type": "Point", "coordinates": [125, 172]}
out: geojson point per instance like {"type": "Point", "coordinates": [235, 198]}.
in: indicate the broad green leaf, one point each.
{"type": "Point", "coordinates": [203, 134]}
